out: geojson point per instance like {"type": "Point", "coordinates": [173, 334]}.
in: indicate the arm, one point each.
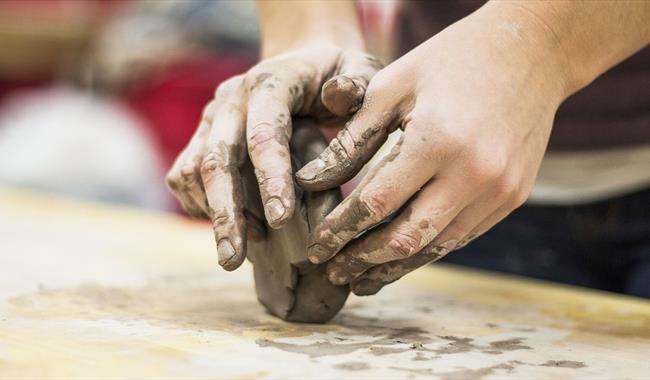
{"type": "Point", "coordinates": [476, 104]}
{"type": "Point", "coordinates": [313, 66]}
{"type": "Point", "coordinates": [288, 25]}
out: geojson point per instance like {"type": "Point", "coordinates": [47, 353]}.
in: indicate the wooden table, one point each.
{"type": "Point", "coordinates": [97, 291]}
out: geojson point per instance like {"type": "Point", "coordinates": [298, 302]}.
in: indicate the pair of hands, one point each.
{"type": "Point", "coordinates": [475, 117]}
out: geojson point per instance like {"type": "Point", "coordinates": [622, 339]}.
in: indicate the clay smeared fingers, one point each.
{"type": "Point", "coordinates": [343, 94]}
{"type": "Point", "coordinates": [417, 225]}
{"type": "Point", "coordinates": [377, 277]}
{"type": "Point", "coordinates": [386, 188]}
{"type": "Point", "coordinates": [307, 143]}
{"type": "Point", "coordinates": [221, 176]}
{"type": "Point", "coordinates": [352, 148]}
{"type": "Point", "coordinates": [186, 202]}
{"type": "Point", "coordinates": [457, 229]}
{"type": "Point", "coordinates": [183, 179]}
{"type": "Point", "coordinates": [176, 184]}
{"type": "Point", "coordinates": [268, 130]}
{"type": "Point", "coordinates": [191, 182]}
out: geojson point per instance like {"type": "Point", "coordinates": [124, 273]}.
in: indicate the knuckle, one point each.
{"type": "Point", "coordinates": [261, 136]}
{"type": "Point", "coordinates": [441, 144]}
{"type": "Point", "coordinates": [337, 145]}
{"type": "Point", "coordinates": [404, 243]}
{"type": "Point", "coordinates": [212, 162]}
{"type": "Point", "coordinates": [220, 217]}
{"type": "Point", "coordinates": [262, 76]}
{"type": "Point", "coordinates": [374, 206]}
{"type": "Point", "coordinates": [506, 186]}
{"type": "Point", "coordinates": [338, 237]}
{"type": "Point", "coordinates": [488, 169]}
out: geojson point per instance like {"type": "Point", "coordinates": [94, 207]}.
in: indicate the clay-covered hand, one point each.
{"type": "Point", "coordinates": [250, 117]}
{"type": "Point", "coordinates": [476, 105]}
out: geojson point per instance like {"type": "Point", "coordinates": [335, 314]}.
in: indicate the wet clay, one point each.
{"type": "Point", "coordinates": [287, 284]}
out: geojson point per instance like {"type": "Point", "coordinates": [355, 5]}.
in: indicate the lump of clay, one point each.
{"type": "Point", "coordinates": [286, 282]}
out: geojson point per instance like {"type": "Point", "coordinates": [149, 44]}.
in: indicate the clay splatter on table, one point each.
{"type": "Point", "coordinates": [101, 283]}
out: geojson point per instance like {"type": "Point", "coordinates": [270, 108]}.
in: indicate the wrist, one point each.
{"type": "Point", "coordinates": [533, 40]}
{"type": "Point", "coordinates": [288, 26]}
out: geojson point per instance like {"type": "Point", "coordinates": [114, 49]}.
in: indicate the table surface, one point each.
{"type": "Point", "coordinates": [97, 291]}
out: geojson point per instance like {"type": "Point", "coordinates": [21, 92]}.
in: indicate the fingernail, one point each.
{"type": "Point", "coordinates": [317, 253]}
{"type": "Point", "coordinates": [309, 171]}
{"type": "Point", "coordinates": [274, 210]}
{"type": "Point", "coordinates": [366, 287]}
{"type": "Point", "coordinates": [338, 276]}
{"type": "Point", "coordinates": [225, 251]}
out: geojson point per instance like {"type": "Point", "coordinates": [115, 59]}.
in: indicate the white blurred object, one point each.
{"type": "Point", "coordinates": [70, 142]}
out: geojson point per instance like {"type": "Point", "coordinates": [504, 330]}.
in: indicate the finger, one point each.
{"type": "Point", "coordinates": [268, 130]}
{"type": "Point", "coordinates": [222, 180]}
{"type": "Point", "coordinates": [256, 230]}
{"type": "Point", "coordinates": [418, 224]}
{"type": "Point", "coordinates": [306, 144]}
{"type": "Point", "coordinates": [387, 187]}
{"type": "Point", "coordinates": [183, 179]}
{"type": "Point", "coordinates": [343, 94]}
{"type": "Point", "coordinates": [469, 234]}
{"type": "Point", "coordinates": [377, 277]}
{"type": "Point", "coordinates": [191, 183]}
{"type": "Point", "coordinates": [185, 200]}
{"type": "Point", "coordinates": [353, 146]}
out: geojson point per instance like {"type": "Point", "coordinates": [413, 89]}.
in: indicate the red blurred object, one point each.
{"type": "Point", "coordinates": [173, 101]}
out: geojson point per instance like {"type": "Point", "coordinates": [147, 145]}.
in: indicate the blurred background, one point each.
{"type": "Point", "coordinates": [97, 97]}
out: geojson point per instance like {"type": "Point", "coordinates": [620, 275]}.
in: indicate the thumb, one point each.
{"type": "Point", "coordinates": [351, 149]}
{"type": "Point", "coordinates": [343, 94]}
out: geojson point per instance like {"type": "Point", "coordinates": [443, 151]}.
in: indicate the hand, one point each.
{"type": "Point", "coordinates": [252, 113]}
{"type": "Point", "coordinates": [476, 105]}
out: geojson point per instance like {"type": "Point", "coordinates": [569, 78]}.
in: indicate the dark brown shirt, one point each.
{"type": "Point", "coordinates": [612, 112]}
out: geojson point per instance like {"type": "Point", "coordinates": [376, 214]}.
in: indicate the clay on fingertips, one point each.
{"type": "Point", "coordinates": [287, 284]}
{"type": "Point", "coordinates": [376, 278]}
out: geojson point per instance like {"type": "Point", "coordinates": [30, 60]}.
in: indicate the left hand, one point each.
{"type": "Point", "coordinates": [250, 121]}
{"type": "Point", "coordinates": [476, 104]}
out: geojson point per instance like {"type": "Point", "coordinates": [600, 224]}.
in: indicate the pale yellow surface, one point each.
{"type": "Point", "coordinates": [94, 291]}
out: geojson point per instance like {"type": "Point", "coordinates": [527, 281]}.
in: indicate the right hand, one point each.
{"type": "Point", "coordinates": [252, 113]}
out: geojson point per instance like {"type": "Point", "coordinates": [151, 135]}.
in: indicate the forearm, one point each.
{"type": "Point", "coordinates": [588, 37]}
{"type": "Point", "coordinates": [290, 24]}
